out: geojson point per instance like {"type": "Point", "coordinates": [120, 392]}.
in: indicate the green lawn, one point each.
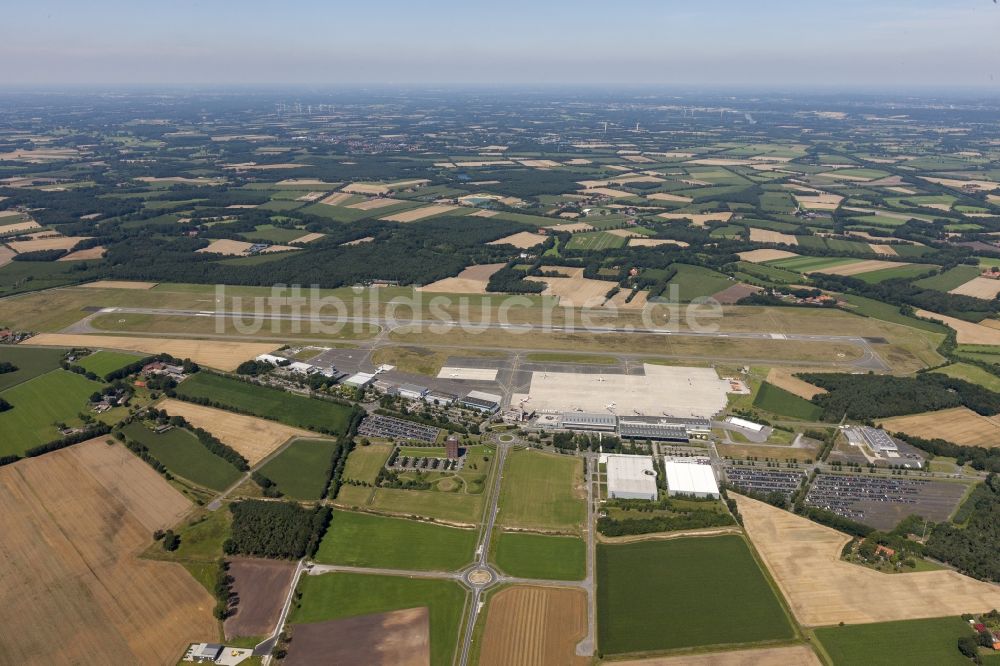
{"type": "Point", "coordinates": [102, 363]}
{"type": "Point", "coordinates": [423, 451]}
{"type": "Point", "coordinates": [528, 555]}
{"type": "Point", "coordinates": [779, 401]}
{"type": "Point", "coordinates": [913, 642]}
{"type": "Point", "coordinates": [542, 491]}
{"type": "Point", "coordinates": [890, 313]}
{"type": "Point", "coordinates": [301, 470]}
{"type": "Point", "coordinates": [695, 281]}
{"type": "Point", "coordinates": [366, 540]}
{"type": "Point", "coordinates": [910, 271]}
{"type": "Point", "coordinates": [950, 279]}
{"type": "Point", "coordinates": [268, 403]}
{"type": "Point", "coordinates": [40, 403]}
{"type": "Point", "coordinates": [185, 456]}
{"type": "Point", "coordinates": [451, 506]}
{"type": "Point", "coordinates": [364, 462]}
{"type": "Point", "coordinates": [595, 240]}
{"type": "Point", "coordinates": [681, 593]}
{"type": "Point", "coordinates": [806, 264]}
{"type": "Point", "coordinates": [342, 595]}
{"type": "Point", "coordinates": [971, 373]}
{"type": "Point", "coordinates": [30, 362]}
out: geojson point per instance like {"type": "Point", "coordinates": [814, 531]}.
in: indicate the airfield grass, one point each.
{"type": "Point", "coordinates": [367, 540]}
{"type": "Point", "coordinates": [777, 400]}
{"type": "Point", "coordinates": [185, 456]}
{"type": "Point", "coordinates": [950, 279]}
{"type": "Point", "coordinates": [30, 363]}
{"type": "Point", "coordinates": [341, 595]}
{"type": "Point", "coordinates": [973, 374]}
{"type": "Point", "coordinates": [267, 402]}
{"type": "Point", "coordinates": [542, 491]}
{"type": "Point", "coordinates": [558, 357]}
{"type": "Point", "coordinates": [57, 396]}
{"type": "Point", "coordinates": [301, 470]}
{"type": "Point", "coordinates": [870, 307]}
{"type": "Point", "coordinates": [695, 282]}
{"type": "Point", "coordinates": [683, 593]}
{"type": "Point", "coordinates": [102, 363]}
{"type": "Point", "coordinates": [527, 555]}
{"type": "Point", "coordinates": [930, 642]}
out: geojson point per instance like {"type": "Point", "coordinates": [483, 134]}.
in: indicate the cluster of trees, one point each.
{"type": "Point", "coordinates": [144, 455]}
{"type": "Point", "coordinates": [511, 281]}
{"type": "Point", "coordinates": [255, 368]}
{"type": "Point", "coordinates": [278, 530]}
{"type": "Point", "coordinates": [676, 520]}
{"type": "Point", "coordinates": [905, 552]}
{"type": "Point", "coordinates": [4, 405]}
{"type": "Point", "coordinates": [388, 478]}
{"type": "Point", "coordinates": [7, 366]}
{"type": "Point", "coordinates": [225, 598]}
{"type": "Point", "coordinates": [91, 431]}
{"type": "Point", "coordinates": [40, 255]}
{"type": "Point", "coordinates": [267, 486]}
{"type": "Point", "coordinates": [903, 293]}
{"type": "Point", "coordinates": [338, 459]}
{"type": "Point", "coordinates": [972, 548]}
{"type": "Point", "coordinates": [169, 539]}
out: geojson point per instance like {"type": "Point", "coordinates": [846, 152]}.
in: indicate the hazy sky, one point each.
{"type": "Point", "coordinates": [718, 42]}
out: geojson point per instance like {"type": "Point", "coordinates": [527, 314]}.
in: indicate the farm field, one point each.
{"type": "Point", "coordinates": [58, 512]}
{"type": "Point", "coordinates": [185, 456]}
{"type": "Point", "coordinates": [39, 403]}
{"type": "Point", "coordinates": [967, 333]}
{"type": "Point", "coordinates": [102, 363]}
{"type": "Point", "coordinates": [798, 655]}
{"type": "Point", "coordinates": [777, 400]}
{"type": "Point", "coordinates": [950, 279]}
{"type": "Point", "coordinates": [695, 282]}
{"type": "Point", "coordinates": [30, 363]}
{"type": "Point", "coordinates": [362, 539]}
{"type": "Point", "coordinates": [675, 603]}
{"type": "Point", "coordinates": [931, 642]}
{"type": "Point", "coordinates": [335, 596]}
{"type": "Point", "coordinates": [452, 507]}
{"type": "Point", "coordinates": [960, 425]}
{"type": "Point", "coordinates": [785, 379]}
{"type": "Point", "coordinates": [542, 491]}
{"type": "Point", "coordinates": [811, 264]}
{"type": "Point", "coordinates": [301, 470]}
{"type": "Point", "coordinates": [804, 559]}
{"type": "Point", "coordinates": [396, 638]}
{"type": "Point", "coordinates": [262, 586]}
{"type": "Point", "coordinates": [971, 373]}
{"type": "Point", "coordinates": [526, 555]}
{"type": "Point", "coordinates": [269, 403]}
{"type": "Point", "coordinates": [363, 464]}
{"type": "Point", "coordinates": [534, 626]}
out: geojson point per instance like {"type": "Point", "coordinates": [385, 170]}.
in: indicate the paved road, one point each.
{"type": "Point", "coordinates": [264, 648]}
{"type": "Point", "coordinates": [588, 645]}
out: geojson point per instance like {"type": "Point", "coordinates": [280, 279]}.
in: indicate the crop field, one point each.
{"type": "Point", "coordinates": [39, 403]}
{"type": "Point", "coordinates": [930, 641]}
{"type": "Point", "coordinates": [30, 363]}
{"type": "Point", "coordinates": [527, 555]}
{"type": "Point", "coordinates": [960, 425]}
{"type": "Point", "coordinates": [363, 464]}
{"type": "Point", "coordinates": [979, 287]}
{"type": "Point", "coordinates": [262, 586]}
{"type": "Point", "coordinates": [446, 506]}
{"type": "Point", "coordinates": [534, 626]}
{"type": "Point", "coordinates": [786, 379]}
{"type": "Point", "coordinates": [367, 540]}
{"type": "Point", "coordinates": [950, 279]}
{"type": "Point", "coordinates": [811, 264]}
{"type": "Point", "coordinates": [185, 456]}
{"type": "Point", "coordinates": [396, 638]}
{"type": "Point", "coordinates": [74, 520]}
{"type": "Point", "coordinates": [103, 362]}
{"type": "Point", "coordinates": [663, 595]}
{"type": "Point", "coordinates": [593, 241]}
{"type": "Point", "coordinates": [821, 589]}
{"type": "Point", "coordinates": [269, 403]}
{"type": "Point", "coordinates": [779, 401]}
{"type": "Point", "coordinates": [251, 437]}
{"type": "Point", "coordinates": [334, 596]}
{"type": "Point", "coordinates": [973, 374]}
{"type": "Point", "coordinates": [695, 282]}
{"type": "Point", "coordinates": [542, 491]}
{"type": "Point", "coordinates": [894, 272]}
{"type": "Point", "coordinates": [300, 471]}
{"type": "Point", "coordinates": [796, 655]}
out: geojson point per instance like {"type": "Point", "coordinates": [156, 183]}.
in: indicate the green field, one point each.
{"type": "Point", "coordinates": [102, 363]}
{"type": "Point", "coordinates": [595, 240]}
{"type": "Point", "coordinates": [30, 362]}
{"type": "Point", "coordinates": [268, 403]}
{"type": "Point", "coordinates": [57, 396]}
{"type": "Point", "coordinates": [341, 595]}
{"type": "Point", "coordinates": [913, 642]}
{"type": "Point", "coordinates": [367, 540]}
{"type": "Point", "coordinates": [777, 400]}
{"type": "Point", "coordinates": [910, 271]}
{"type": "Point", "coordinates": [682, 593]}
{"type": "Point", "coordinates": [185, 456]}
{"type": "Point", "coordinates": [806, 264]}
{"type": "Point", "coordinates": [950, 279]}
{"type": "Point", "coordinates": [971, 373]}
{"type": "Point", "coordinates": [542, 491]}
{"type": "Point", "coordinates": [695, 281]}
{"type": "Point", "coordinates": [890, 313]}
{"type": "Point", "coordinates": [451, 506]}
{"type": "Point", "coordinates": [301, 470]}
{"type": "Point", "coordinates": [528, 555]}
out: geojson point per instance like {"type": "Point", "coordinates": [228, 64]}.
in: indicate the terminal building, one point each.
{"type": "Point", "coordinates": [631, 477]}
{"type": "Point", "coordinates": [584, 422]}
{"type": "Point", "coordinates": [663, 428]}
{"type": "Point", "coordinates": [483, 402]}
{"type": "Point", "coordinates": [690, 478]}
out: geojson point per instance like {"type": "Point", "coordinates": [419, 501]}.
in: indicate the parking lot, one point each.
{"type": "Point", "coordinates": [387, 427]}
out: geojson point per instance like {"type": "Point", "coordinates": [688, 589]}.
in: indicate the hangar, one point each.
{"type": "Point", "coordinates": [690, 478]}
{"type": "Point", "coordinates": [631, 477]}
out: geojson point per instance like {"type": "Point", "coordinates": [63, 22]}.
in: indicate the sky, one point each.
{"type": "Point", "coordinates": [765, 43]}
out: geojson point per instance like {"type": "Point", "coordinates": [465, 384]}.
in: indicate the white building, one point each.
{"type": "Point", "coordinates": [743, 423]}
{"type": "Point", "coordinates": [690, 478]}
{"type": "Point", "coordinates": [360, 380]}
{"type": "Point", "coordinates": [631, 477]}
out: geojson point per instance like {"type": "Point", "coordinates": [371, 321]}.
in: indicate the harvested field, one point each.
{"type": "Point", "coordinates": [74, 589]}
{"type": "Point", "coordinates": [6, 255]}
{"type": "Point", "coordinates": [419, 213]}
{"type": "Point", "coordinates": [336, 199]}
{"type": "Point", "coordinates": [82, 255]}
{"type": "Point", "coordinates": [367, 188]}
{"type": "Point", "coordinates": [37, 244]}
{"type": "Point", "coordinates": [359, 241]}
{"type": "Point", "coordinates": [304, 182]}
{"type": "Point", "coordinates": [804, 559]}
{"type": "Point", "coordinates": [960, 425]}
{"type": "Point", "coordinates": [222, 355]}
{"type": "Point", "coordinates": [181, 180]}
{"type": "Point", "coordinates": [311, 197]}
{"type": "Point", "coordinates": [625, 233]}
{"type": "Point", "coordinates": [760, 256]}
{"type": "Point", "coordinates": [798, 655]}
{"type": "Point", "coordinates": [968, 333]}
{"type": "Point", "coordinates": [577, 291]}
{"type": "Point", "coordinates": [663, 196]}
{"type": "Point", "coordinates": [374, 204]}
{"type": "Point", "coordinates": [979, 287]}
{"type": "Point", "coordinates": [262, 586]}
{"type": "Point", "coordinates": [782, 378]}
{"type": "Point", "coordinates": [253, 438]}
{"type": "Point", "coordinates": [472, 280]}
{"type": "Point", "coordinates": [886, 250]}
{"type": "Point", "coordinates": [697, 219]}
{"type": "Point", "coordinates": [819, 202]}
{"type": "Point", "coordinates": [606, 192]}
{"type": "Point", "coordinates": [484, 213]}
{"type": "Point", "coordinates": [573, 227]}
{"type": "Point", "coordinates": [397, 638]}
{"type": "Point", "coordinates": [308, 238]}
{"type": "Point", "coordinates": [638, 301]}
{"type": "Point", "coordinates": [540, 164]}
{"type": "Point", "coordinates": [239, 248]}
{"type": "Point", "coordinates": [534, 626]}
{"type": "Point", "coordinates": [18, 226]}
{"type": "Point", "coordinates": [859, 267]}
{"type": "Point", "coordinates": [521, 240]}
{"type": "Point", "coordinates": [118, 284]}
{"type": "Point", "coordinates": [732, 295]}
{"type": "Point", "coordinates": [655, 242]}
{"type": "Point", "coordinates": [768, 236]}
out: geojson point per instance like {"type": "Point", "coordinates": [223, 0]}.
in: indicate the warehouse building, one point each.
{"type": "Point", "coordinates": [690, 478]}
{"type": "Point", "coordinates": [631, 477]}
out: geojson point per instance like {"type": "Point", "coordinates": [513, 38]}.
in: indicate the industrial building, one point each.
{"type": "Point", "coordinates": [583, 421]}
{"type": "Point", "coordinates": [690, 478]}
{"type": "Point", "coordinates": [878, 440]}
{"type": "Point", "coordinates": [360, 380]}
{"type": "Point", "coordinates": [412, 391]}
{"type": "Point", "coordinates": [631, 477]}
{"type": "Point", "coordinates": [746, 425]}
{"type": "Point", "coordinates": [483, 402]}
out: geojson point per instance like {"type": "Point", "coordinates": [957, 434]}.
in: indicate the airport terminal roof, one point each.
{"type": "Point", "coordinates": [693, 478]}
{"type": "Point", "coordinates": [631, 474]}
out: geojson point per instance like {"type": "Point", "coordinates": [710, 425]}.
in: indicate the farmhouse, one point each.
{"type": "Point", "coordinates": [631, 477]}
{"type": "Point", "coordinates": [690, 478]}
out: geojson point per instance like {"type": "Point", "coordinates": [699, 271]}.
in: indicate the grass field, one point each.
{"type": "Point", "coordinates": [300, 471]}
{"type": "Point", "coordinates": [973, 374]}
{"type": "Point", "coordinates": [29, 361]}
{"type": "Point", "coordinates": [810, 264]}
{"type": "Point", "coordinates": [557, 357]}
{"type": "Point", "coordinates": [456, 507]}
{"type": "Point", "coordinates": [678, 593]}
{"type": "Point", "coordinates": [185, 456]}
{"type": "Point", "coordinates": [102, 363]}
{"type": "Point", "coordinates": [595, 240]}
{"type": "Point", "coordinates": [340, 595]}
{"type": "Point", "coordinates": [950, 279]}
{"type": "Point", "coordinates": [694, 282]}
{"type": "Point", "coordinates": [542, 491]}
{"type": "Point", "coordinates": [910, 271]}
{"type": "Point", "coordinates": [366, 540]}
{"type": "Point", "coordinates": [268, 403]}
{"type": "Point", "coordinates": [918, 642]}
{"type": "Point", "coordinates": [779, 401]}
{"type": "Point", "coordinates": [890, 313]}
{"type": "Point", "coordinates": [528, 555]}
{"type": "Point", "coordinates": [57, 396]}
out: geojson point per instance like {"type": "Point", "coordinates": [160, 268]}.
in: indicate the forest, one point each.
{"type": "Point", "coordinates": [276, 530]}
{"type": "Point", "coordinates": [972, 547]}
